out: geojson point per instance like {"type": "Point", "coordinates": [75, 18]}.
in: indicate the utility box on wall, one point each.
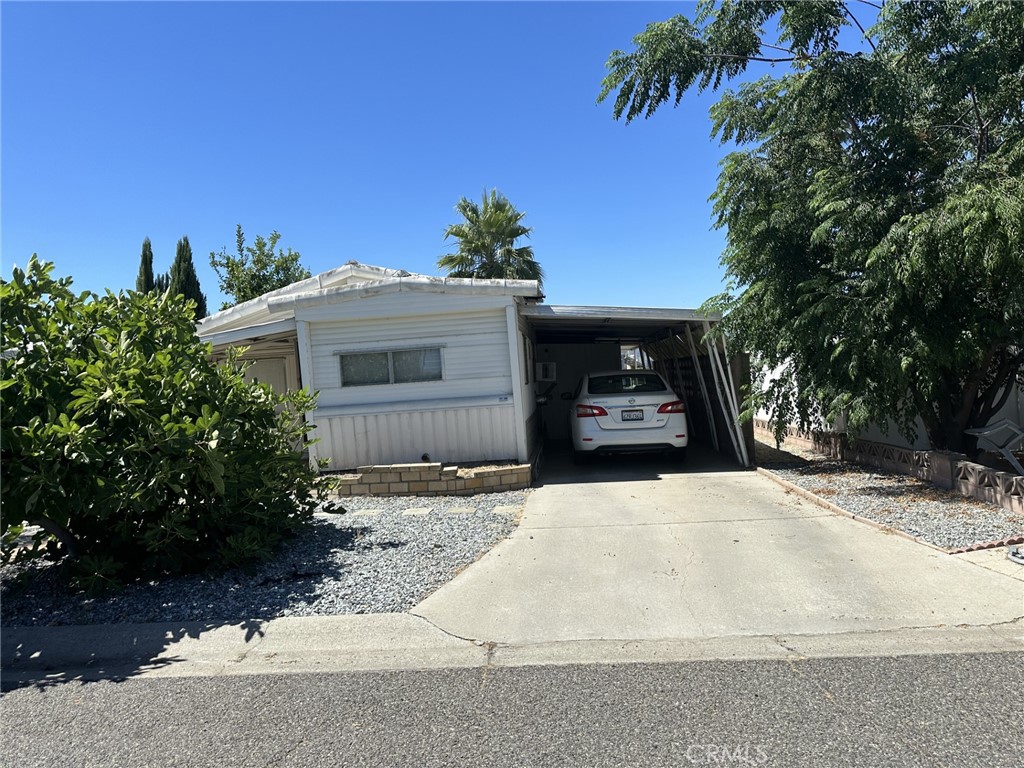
{"type": "Point", "coordinates": [546, 372]}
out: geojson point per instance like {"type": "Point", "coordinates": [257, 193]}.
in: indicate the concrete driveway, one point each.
{"type": "Point", "coordinates": [643, 549]}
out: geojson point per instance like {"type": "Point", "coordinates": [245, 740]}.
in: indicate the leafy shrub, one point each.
{"type": "Point", "coordinates": [136, 453]}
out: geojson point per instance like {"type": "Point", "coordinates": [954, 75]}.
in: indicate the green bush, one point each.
{"type": "Point", "coordinates": [136, 453]}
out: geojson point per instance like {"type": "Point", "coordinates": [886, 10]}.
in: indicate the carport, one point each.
{"type": "Point", "coordinates": [569, 341]}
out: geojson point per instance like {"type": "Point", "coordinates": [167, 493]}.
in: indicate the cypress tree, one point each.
{"type": "Point", "coordinates": [144, 282]}
{"type": "Point", "coordinates": [183, 278]}
{"type": "Point", "coordinates": [161, 282]}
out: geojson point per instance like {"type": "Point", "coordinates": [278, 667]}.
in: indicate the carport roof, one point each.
{"type": "Point", "coordinates": [627, 325]}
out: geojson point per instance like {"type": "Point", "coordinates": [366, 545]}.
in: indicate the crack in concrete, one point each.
{"type": "Point", "coordinates": [485, 670]}
{"type": "Point", "coordinates": [474, 640]}
{"type": "Point", "coordinates": [778, 641]}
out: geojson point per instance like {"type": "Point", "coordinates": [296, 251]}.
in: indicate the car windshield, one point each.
{"type": "Point", "coordinates": [621, 383]}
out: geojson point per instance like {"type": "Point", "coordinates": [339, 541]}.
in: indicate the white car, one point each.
{"type": "Point", "coordinates": [626, 411]}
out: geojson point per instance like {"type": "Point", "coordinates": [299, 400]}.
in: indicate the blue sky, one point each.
{"type": "Point", "coordinates": [353, 129]}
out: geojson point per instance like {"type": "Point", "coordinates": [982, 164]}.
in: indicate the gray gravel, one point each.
{"type": "Point", "coordinates": [372, 559]}
{"type": "Point", "coordinates": [940, 517]}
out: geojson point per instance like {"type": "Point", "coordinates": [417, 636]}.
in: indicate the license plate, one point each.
{"type": "Point", "coordinates": [636, 415]}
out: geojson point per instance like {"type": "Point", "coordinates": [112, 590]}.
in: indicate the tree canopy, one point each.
{"type": "Point", "coordinates": [183, 281]}
{"type": "Point", "coordinates": [144, 282]}
{"type": "Point", "coordinates": [874, 206]}
{"type": "Point", "coordinates": [256, 269]}
{"type": "Point", "coordinates": [487, 238]}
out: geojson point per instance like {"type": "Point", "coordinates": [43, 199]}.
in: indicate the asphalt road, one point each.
{"type": "Point", "coordinates": [940, 710]}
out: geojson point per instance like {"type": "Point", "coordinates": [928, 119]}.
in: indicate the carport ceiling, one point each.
{"type": "Point", "coordinates": [557, 324]}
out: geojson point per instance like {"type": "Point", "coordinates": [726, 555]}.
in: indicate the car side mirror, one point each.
{"type": "Point", "coordinates": [567, 395]}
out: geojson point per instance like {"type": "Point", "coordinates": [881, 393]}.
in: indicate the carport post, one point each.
{"type": "Point", "coordinates": [723, 396]}
{"type": "Point", "coordinates": [703, 386]}
{"type": "Point", "coordinates": [679, 373]}
{"type": "Point", "coordinates": [732, 398]}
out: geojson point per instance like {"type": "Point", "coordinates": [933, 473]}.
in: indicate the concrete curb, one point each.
{"type": "Point", "coordinates": [401, 641]}
{"type": "Point", "coordinates": [374, 641]}
{"type": "Point", "coordinates": [804, 493]}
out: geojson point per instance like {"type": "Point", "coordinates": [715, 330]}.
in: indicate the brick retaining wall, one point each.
{"type": "Point", "coordinates": [431, 480]}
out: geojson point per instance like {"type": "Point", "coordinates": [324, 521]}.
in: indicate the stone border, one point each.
{"type": "Point", "coordinates": [826, 504]}
{"type": "Point", "coordinates": [946, 470]}
{"type": "Point", "coordinates": [815, 499]}
{"type": "Point", "coordinates": [989, 545]}
{"type": "Point", "coordinates": [431, 479]}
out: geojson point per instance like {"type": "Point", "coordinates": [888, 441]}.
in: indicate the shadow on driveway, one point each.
{"type": "Point", "coordinates": [557, 466]}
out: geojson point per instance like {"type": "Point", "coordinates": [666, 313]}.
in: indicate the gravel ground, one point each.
{"type": "Point", "coordinates": [944, 518]}
{"type": "Point", "coordinates": [372, 559]}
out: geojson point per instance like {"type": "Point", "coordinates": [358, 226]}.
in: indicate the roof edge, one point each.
{"type": "Point", "coordinates": [411, 284]}
{"type": "Point", "coordinates": [367, 272]}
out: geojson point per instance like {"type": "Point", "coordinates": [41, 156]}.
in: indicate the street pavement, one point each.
{"type": "Point", "coordinates": [930, 711]}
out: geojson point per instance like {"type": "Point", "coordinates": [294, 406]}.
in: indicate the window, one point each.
{"type": "Point", "coordinates": [416, 365]}
{"type": "Point", "coordinates": [403, 366]}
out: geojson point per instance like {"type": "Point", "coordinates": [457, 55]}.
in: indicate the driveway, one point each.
{"type": "Point", "coordinates": [648, 550]}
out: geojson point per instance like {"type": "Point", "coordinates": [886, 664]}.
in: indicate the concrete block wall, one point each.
{"type": "Point", "coordinates": [431, 479]}
{"type": "Point", "coordinates": [946, 470]}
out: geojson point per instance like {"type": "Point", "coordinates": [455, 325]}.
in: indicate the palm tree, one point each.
{"type": "Point", "coordinates": [487, 239]}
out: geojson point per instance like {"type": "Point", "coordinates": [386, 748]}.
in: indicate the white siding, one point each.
{"type": "Point", "coordinates": [448, 435]}
{"type": "Point", "coordinates": [467, 416]}
{"type": "Point", "coordinates": [474, 351]}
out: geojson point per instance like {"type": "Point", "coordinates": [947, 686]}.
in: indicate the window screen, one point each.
{"type": "Point", "coordinates": [361, 369]}
{"type": "Point", "coordinates": [417, 365]}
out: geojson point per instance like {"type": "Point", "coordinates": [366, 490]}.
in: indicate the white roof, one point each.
{"type": "Point", "coordinates": [350, 282]}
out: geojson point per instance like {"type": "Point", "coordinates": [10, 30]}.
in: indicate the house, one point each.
{"type": "Point", "coordinates": [459, 370]}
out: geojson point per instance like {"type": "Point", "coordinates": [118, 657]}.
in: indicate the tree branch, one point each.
{"type": "Point", "coordinates": [753, 58]}
{"type": "Point", "coordinates": [62, 534]}
{"type": "Point", "coordinates": [851, 17]}
{"type": "Point", "coordinates": [982, 126]}
{"type": "Point", "coordinates": [1003, 380]}
{"type": "Point", "coordinates": [970, 390]}
{"type": "Point", "coordinates": [778, 48]}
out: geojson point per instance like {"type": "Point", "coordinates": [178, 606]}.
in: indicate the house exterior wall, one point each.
{"type": "Point", "coordinates": [467, 416]}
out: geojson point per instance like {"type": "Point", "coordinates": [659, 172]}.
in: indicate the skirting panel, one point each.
{"type": "Point", "coordinates": [450, 435]}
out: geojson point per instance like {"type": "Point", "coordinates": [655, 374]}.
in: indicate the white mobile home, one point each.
{"type": "Point", "coordinates": [411, 365]}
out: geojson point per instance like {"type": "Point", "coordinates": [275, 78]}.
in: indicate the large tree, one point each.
{"type": "Point", "coordinates": [183, 279]}
{"type": "Point", "coordinates": [874, 208]}
{"type": "Point", "coordinates": [487, 238]}
{"type": "Point", "coordinates": [144, 282]}
{"type": "Point", "coordinates": [256, 269]}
